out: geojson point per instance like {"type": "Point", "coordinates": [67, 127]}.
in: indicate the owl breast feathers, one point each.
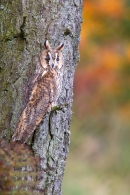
{"type": "Point", "coordinates": [44, 91]}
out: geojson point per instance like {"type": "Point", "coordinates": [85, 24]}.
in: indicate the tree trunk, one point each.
{"type": "Point", "coordinates": [25, 24]}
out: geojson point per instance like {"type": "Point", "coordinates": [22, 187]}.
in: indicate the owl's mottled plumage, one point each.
{"type": "Point", "coordinates": [44, 91]}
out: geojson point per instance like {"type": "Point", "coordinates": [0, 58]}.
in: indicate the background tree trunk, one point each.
{"type": "Point", "coordinates": [25, 24]}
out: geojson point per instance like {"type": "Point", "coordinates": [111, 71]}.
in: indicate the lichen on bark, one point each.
{"type": "Point", "coordinates": [24, 27]}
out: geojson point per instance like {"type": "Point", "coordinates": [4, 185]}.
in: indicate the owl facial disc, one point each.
{"type": "Point", "coordinates": [53, 59]}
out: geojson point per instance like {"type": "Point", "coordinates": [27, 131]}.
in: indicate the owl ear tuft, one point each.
{"type": "Point", "coordinates": [47, 45]}
{"type": "Point", "coordinates": [60, 47]}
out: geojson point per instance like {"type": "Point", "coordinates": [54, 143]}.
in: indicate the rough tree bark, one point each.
{"type": "Point", "coordinates": [25, 24]}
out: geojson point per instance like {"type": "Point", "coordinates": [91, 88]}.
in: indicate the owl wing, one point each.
{"type": "Point", "coordinates": [40, 100]}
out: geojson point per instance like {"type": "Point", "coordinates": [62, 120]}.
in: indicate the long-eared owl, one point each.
{"type": "Point", "coordinates": [43, 91]}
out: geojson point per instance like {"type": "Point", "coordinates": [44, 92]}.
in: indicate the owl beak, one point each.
{"type": "Point", "coordinates": [52, 65]}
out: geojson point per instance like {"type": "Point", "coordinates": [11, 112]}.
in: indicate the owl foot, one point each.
{"type": "Point", "coordinates": [59, 107]}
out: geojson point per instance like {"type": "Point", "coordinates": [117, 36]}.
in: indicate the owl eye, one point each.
{"type": "Point", "coordinates": [57, 58]}
{"type": "Point", "coordinates": [47, 58]}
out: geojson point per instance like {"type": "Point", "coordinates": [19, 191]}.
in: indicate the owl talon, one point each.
{"type": "Point", "coordinates": [59, 107]}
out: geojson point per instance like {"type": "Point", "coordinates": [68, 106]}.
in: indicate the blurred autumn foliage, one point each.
{"type": "Point", "coordinates": [104, 68]}
{"type": "Point", "coordinates": [100, 141]}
